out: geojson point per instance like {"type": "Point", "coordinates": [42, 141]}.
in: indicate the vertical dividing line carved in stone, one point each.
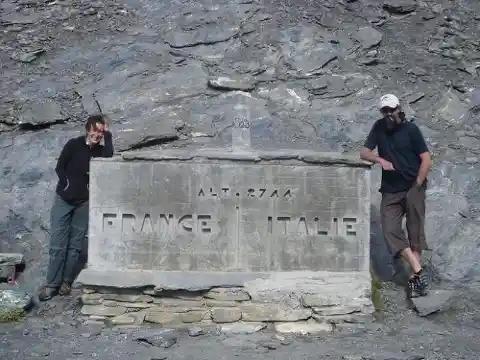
{"type": "Point", "coordinates": [237, 237]}
{"type": "Point", "coordinates": [335, 226]}
{"type": "Point", "coordinates": [273, 241]}
{"type": "Point", "coordinates": [269, 238]}
{"type": "Point", "coordinates": [154, 186]}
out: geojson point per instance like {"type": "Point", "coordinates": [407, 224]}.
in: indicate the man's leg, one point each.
{"type": "Point", "coordinates": [415, 214]}
{"type": "Point", "coordinates": [411, 257]}
{"type": "Point", "coordinates": [60, 219]}
{"type": "Point", "coordinates": [78, 232]}
{"type": "Point", "coordinates": [392, 210]}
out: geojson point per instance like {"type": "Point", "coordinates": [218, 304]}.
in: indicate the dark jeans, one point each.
{"type": "Point", "coordinates": [69, 226]}
{"type": "Point", "coordinates": [393, 208]}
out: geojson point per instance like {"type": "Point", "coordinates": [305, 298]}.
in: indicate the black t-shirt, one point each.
{"type": "Point", "coordinates": [402, 147]}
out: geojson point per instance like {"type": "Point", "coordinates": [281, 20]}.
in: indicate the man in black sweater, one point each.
{"type": "Point", "coordinates": [69, 214]}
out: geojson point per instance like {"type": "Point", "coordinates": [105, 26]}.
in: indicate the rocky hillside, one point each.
{"type": "Point", "coordinates": [169, 72]}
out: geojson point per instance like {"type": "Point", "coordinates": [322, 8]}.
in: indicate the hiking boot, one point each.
{"type": "Point", "coordinates": [46, 293]}
{"type": "Point", "coordinates": [418, 285]}
{"type": "Point", "coordinates": [422, 282]}
{"type": "Point", "coordinates": [65, 289]}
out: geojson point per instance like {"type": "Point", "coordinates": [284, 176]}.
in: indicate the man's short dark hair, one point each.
{"type": "Point", "coordinates": [93, 120]}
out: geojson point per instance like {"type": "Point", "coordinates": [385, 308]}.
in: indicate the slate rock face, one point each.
{"type": "Point", "coordinates": [313, 82]}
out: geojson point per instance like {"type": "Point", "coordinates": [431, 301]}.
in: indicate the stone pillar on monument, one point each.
{"type": "Point", "coordinates": [241, 125]}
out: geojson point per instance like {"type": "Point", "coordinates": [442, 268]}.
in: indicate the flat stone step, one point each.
{"type": "Point", "coordinates": [435, 301]}
{"type": "Point", "coordinates": [11, 259]}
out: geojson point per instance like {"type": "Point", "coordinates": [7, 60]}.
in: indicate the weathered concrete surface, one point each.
{"type": "Point", "coordinates": [230, 211]}
{"type": "Point", "coordinates": [309, 288]}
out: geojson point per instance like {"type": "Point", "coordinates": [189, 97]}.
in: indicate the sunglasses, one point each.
{"type": "Point", "coordinates": [388, 110]}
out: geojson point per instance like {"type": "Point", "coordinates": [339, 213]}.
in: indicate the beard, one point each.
{"type": "Point", "coordinates": [391, 122]}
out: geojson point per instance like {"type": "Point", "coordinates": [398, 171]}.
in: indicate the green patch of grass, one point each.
{"type": "Point", "coordinates": [377, 298]}
{"type": "Point", "coordinates": [11, 314]}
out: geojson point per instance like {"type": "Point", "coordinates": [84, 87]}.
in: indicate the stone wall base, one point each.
{"type": "Point", "coordinates": [305, 303]}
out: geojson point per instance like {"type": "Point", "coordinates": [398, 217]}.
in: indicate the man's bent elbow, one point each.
{"type": "Point", "coordinates": [365, 153]}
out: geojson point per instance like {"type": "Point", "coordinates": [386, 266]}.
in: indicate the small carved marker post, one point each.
{"type": "Point", "coordinates": [241, 128]}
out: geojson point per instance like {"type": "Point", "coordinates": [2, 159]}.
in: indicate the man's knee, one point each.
{"type": "Point", "coordinates": [416, 249]}
{"type": "Point", "coordinates": [395, 238]}
{"type": "Point", "coordinates": [57, 252]}
{"type": "Point", "coordinates": [77, 236]}
{"type": "Point", "coordinates": [59, 236]}
{"type": "Point", "coordinates": [392, 230]}
{"type": "Point", "coordinates": [401, 251]}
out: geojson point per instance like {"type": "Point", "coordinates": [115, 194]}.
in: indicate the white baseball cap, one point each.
{"type": "Point", "coordinates": [389, 100]}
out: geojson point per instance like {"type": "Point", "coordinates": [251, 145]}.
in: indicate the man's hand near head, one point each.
{"type": "Point", "coordinates": [106, 120]}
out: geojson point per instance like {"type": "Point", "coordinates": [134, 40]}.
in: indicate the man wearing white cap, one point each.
{"type": "Point", "coordinates": [405, 161]}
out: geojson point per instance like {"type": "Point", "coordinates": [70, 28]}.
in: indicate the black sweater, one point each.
{"type": "Point", "coordinates": [73, 167]}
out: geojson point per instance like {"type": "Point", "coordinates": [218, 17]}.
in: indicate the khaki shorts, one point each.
{"type": "Point", "coordinates": [393, 208]}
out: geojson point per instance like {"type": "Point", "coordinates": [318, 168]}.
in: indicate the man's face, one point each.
{"type": "Point", "coordinates": [392, 114]}
{"type": "Point", "coordinates": [95, 133]}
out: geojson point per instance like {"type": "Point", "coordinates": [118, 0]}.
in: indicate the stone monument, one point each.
{"type": "Point", "coordinates": [238, 237]}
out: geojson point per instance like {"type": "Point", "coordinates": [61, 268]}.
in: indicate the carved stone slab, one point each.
{"type": "Point", "coordinates": [190, 212]}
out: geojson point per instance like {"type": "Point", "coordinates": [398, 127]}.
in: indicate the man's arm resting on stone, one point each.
{"type": "Point", "coordinates": [107, 150]}
{"type": "Point", "coordinates": [369, 155]}
{"type": "Point", "coordinates": [425, 165]}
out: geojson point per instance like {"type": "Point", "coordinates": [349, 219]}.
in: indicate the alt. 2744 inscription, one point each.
{"type": "Point", "coordinates": [160, 224]}
{"type": "Point", "coordinates": [251, 192]}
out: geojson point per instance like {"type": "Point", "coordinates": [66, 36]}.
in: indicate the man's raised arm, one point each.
{"type": "Point", "coordinates": [107, 150]}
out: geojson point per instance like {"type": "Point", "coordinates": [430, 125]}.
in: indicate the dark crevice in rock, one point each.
{"type": "Point", "coordinates": [38, 127]}
{"type": "Point", "coordinates": [152, 140]}
{"type": "Point", "coordinates": [243, 30]}
{"type": "Point", "coordinates": [208, 42]}
{"type": "Point", "coordinates": [197, 43]}
{"type": "Point", "coordinates": [98, 106]}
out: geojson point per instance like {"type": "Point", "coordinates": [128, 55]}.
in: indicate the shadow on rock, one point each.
{"type": "Point", "coordinates": [380, 257]}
